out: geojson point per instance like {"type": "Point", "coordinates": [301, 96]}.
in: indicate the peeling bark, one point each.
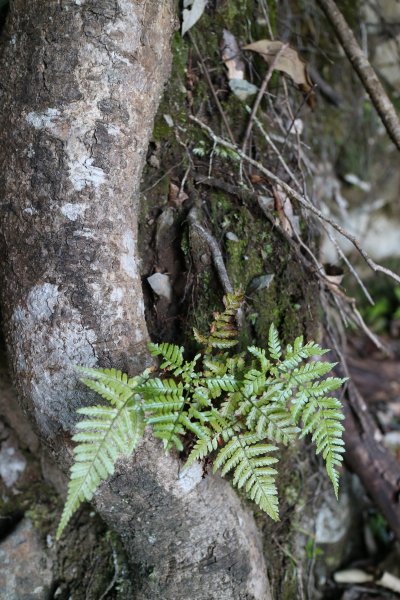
{"type": "Point", "coordinates": [81, 81]}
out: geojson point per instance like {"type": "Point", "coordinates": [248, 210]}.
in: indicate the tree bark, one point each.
{"type": "Point", "coordinates": [81, 81]}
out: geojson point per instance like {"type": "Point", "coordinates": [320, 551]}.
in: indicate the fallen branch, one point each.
{"type": "Point", "coordinates": [364, 70]}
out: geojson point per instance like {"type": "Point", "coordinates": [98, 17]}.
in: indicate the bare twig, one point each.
{"type": "Point", "coordinates": [210, 84]}
{"type": "Point", "coordinates": [324, 87]}
{"type": "Point", "coordinates": [115, 576]}
{"type": "Point", "coordinates": [275, 149]}
{"type": "Point", "coordinates": [349, 265]}
{"type": "Point", "coordinates": [366, 73]}
{"type": "Point", "coordinates": [214, 248]}
{"type": "Point", "coordinates": [302, 200]}
{"type": "Point", "coordinates": [260, 95]}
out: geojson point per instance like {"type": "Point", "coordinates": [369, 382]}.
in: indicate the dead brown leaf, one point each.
{"type": "Point", "coordinates": [256, 178]}
{"type": "Point", "coordinates": [284, 208]}
{"type": "Point", "coordinates": [231, 56]}
{"type": "Point", "coordinates": [176, 196]}
{"type": "Point", "coordinates": [288, 62]}
{"type": "Point", "coordinates": [333, 273]}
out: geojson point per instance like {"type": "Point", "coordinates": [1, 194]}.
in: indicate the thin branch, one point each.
{"type": "Point", "coordinates": [210, 84]}
{"type": "Point", "coordinates": [260, 95]}
{"type": "Point", "coordinates": [364, 70]}
{"type": "Point", "coordinates": [214, 248]}
{"type": "Point", "coordinates": [349, 265]}
{"type": "Point", "coordinates": [275, 149]}
{"type": "Point", "coordinates": [303, 201]}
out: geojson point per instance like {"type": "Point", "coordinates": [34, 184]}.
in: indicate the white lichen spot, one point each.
{"type": "Point", "coordinates": [138, 336]}
{"type": "Point", "coordinates": [113, 129]}
{"type": "Point", "coordinates": [86, 233]}
{"type": "Point", "coordinates": [83, 172]}
{"type": "Point", "coordinates": [19, 315]}
{"type": "Point", "coordinates": [30, 151]}
{"type": "Point", "coordinates": [190, 478]}
{"type": "Point", "coordinates": [44, 120]}
{"type": "Point", "coordinates": [128, 259]}
{"type": "Point", "coordinates": [73, 211]}
{"type": "Point", "coordinates": [42, 300]}
{"type": "Point", "coordinates": [161, 285]}
{"type": "Point", "coordinates": [130, 22]}
{"type": "Point", "coordinates": [141, 306]}
{"type": "Point", "coordinates": [117, 295]}
{"type": "Point", "coordinates": [30, 210]}
{"type": "Point", "coordinates": [119, 58]}
{"type": "Point", "coordinates": [12, 463]}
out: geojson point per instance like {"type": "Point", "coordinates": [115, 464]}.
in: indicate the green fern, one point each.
{"type": "Point", "coordinates": [108, 432]}
{"type": "Point", "coordinates": [231, 408]}
{"type": "Point", "coordinates": [249, 459]}
{"type": "Point", "coordinates": [223, 330]}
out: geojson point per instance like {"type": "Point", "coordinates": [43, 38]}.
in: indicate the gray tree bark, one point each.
{"type": "Point", "coordinates": [80, 84]}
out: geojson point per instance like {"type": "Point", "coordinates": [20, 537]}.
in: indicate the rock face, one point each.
{"type": "Point", "coordinates": [26, 572]}
{"type": "Point", "coordinates": [382, 18]}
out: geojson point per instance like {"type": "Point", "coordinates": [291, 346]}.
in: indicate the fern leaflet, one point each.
{"type": "Point", "coordinates": [107, 434]}
{"type": "Point", "coordinates": [249, 459]}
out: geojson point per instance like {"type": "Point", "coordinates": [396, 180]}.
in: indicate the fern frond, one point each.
{"type": "Point", "coordinates": [274, 345]}
{"type": "Point", "coordinates": [234, 407]}
{"type": "Point", "coordinates": [311, 371]}
{"type": "Point", "coordinates": [231, 404]}
{"type": "Point", "coordinates": [223, 331]}
{"type": "Point", "coordinates": [218, 385]}
{"type": "Point", "coordinates": [105, 435]}
{"type": "Point", "coordinates": [164, 403]}
{"type": "Point", "coordinates": [172, 356]}
{"type": "Point", "coordinates": [201, 397]}
{"type": "Point", "coordinates": [217, 430]}
{"type": "Point", "coordinates": [254, 383]}
{"type": "Point", "coordinates": [261, 355]}
{"type": "Point", "coordinates": [299, 352]}
{"type": "Point", "coordinates": [113, 375]}
{"type": "Point", "coordinates": [322, 416]}
{"type": "Point", "coordinates": [271, 420]}
{"type": "Point", "coordinates": [112, 385]}
{"type": "Point", "coordinates": [217, 365]}
{"type": "Point", "coordinates": [249, 459]}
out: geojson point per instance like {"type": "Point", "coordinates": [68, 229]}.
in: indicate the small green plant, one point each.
{"type": "Point", "coordinates": [235, 407]}
{"type": "Point", "coordinates": [384, 312]}
{"type": "Point", "coordinates": [204, 149]}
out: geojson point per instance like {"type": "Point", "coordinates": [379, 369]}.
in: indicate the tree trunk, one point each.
{"type": "Point", "coordinates": [81, 81]}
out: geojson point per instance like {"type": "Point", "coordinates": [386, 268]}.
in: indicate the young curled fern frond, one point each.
{"type": "Point", "coordinates": [223, 330]}
{"type": "Point", "coordinates": [232, 408]}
